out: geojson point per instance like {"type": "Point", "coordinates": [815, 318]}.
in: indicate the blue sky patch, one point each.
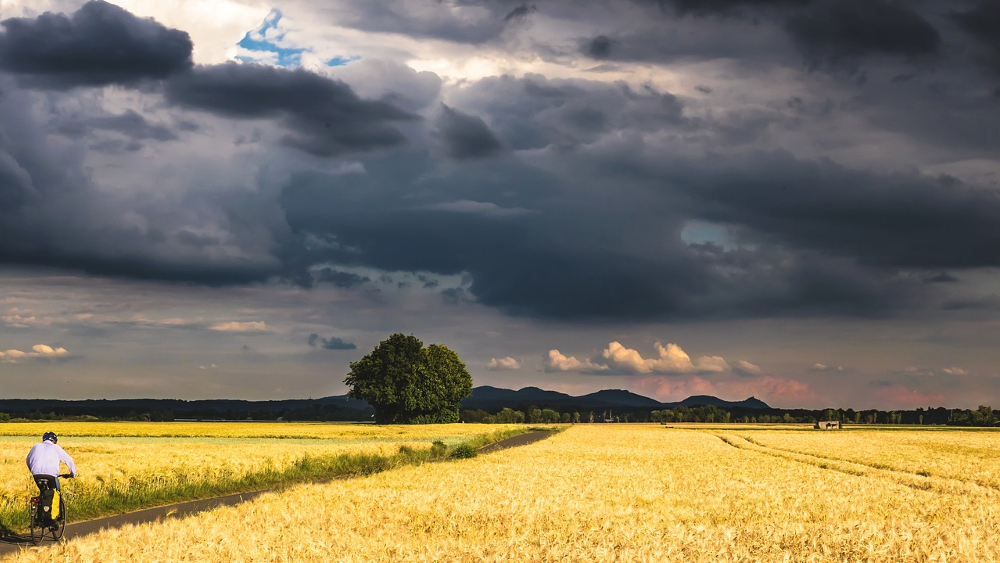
{"type": "Point", "coordinates": [341, 60]}
{"type": "Point", "coordinates": [261, 41]}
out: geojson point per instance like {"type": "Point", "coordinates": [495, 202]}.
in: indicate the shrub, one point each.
{"type": "Point", "coordinates": [463, 451]}
{"type": "Point", "coordinates": [438, 449]}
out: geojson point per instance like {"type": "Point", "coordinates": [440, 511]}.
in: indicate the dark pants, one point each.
{"type": "Point", "coordinates": [46, 482]}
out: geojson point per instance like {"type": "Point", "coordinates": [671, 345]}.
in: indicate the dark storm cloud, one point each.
{"type": "Point", "coordinates": [332, 343]}
{"type": "Point", "coordinates": [29, 172]}
{"type": "Point", "coordinates": [983, 23]}
{"type": "Point", "coordinates": [704, 7]}
{"type": "Point", "coordinates": [52, 215]}
{"type": "Point", "coordinates": [340, 278]}
{"type": "Point", "coordinates": [987, 303]}
{"type": "Point", "coordinates": [574, 263]}
{"type": "Point", "coordinates": [600, 47]}
{"type": "Point", "coordinates": [941, 277]}
{"type": "Point", "coordinates": [517, 262]}
{"type": "Point", "coordinates": [466, 136]}
{"type": "Point", "coordinates": [883, 220]}
{"type": "Point", "coordinates": [461, 21]}
{"type": "Point", "coordinates": [520, 12]}
{"type": "Point", "coordinates": [98, 45]}
{"type": "Point", "coordinates": [577, 257]}
{"type": "Point", "coordinates": [129, 123]}
{"type": "Point", "coordinates": [834, 32]}
{"type": "Point", "coordinates": [535, 112]}
{"type": "Point", "coordinates": [588, 225]}
{"type": "Point", "coordinates": [830, 34]}
{"type": "Point", "coordinates": [729, 39]}
{"type": "Point", "coordinates": [326, 117]}
{"type": "Point", "coordinates": [822, 238]}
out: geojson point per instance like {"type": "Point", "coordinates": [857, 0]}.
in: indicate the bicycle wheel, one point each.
{"type": "Point", "coordinates": [37, 529]}
{"type": "Point", "coordinates": [61, 521]}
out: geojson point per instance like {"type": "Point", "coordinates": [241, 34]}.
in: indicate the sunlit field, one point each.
{"type": "Point", "coordinates": [340, 432]}
{"type": "Point", "coordinates": [613, 493]}
{"type": "Point", "coordinates": [965, 456]}
{"type": "Point", "coordinates": [129, 465]}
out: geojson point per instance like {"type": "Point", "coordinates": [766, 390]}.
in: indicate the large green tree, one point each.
{"type": "Point", "coordinates": [406, 382]}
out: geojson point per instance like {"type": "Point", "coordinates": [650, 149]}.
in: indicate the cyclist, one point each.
{"type": "Point", "coordinates": [43, 462]}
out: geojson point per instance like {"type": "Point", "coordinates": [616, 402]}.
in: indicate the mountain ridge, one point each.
{"type": "Point", "coordinates": [487, 397]}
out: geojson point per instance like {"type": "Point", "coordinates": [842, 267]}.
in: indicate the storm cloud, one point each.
{"type": "Point", "coordinates": [129, 124]}
{"type": "Point", "coordinates": [560, 198]}
{"type": "Point", "coordinates": [99, 44]}
{"type": "Point", "coordinates": [901, 221]}
{"type": "Point", "coordinates": [983, 23]}
{"type": "Point", "coordinates": [842, 31]}
{"type": "Point", "coordinates": [703, 7]}
{"type": "Point", "coordinates": [466, 136]}
{"type": "Point", "coordinates": [325, 117]}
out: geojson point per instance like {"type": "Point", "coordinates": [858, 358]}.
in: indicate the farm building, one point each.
{"type": "Point", "coordinates": [827, 425]}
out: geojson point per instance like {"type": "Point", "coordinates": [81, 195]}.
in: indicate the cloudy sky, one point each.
{"type": "Point", "coordinates": [791, 199]}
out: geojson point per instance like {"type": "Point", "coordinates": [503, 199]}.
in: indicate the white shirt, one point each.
{"type": "Point", "coordinates": [44, 458]}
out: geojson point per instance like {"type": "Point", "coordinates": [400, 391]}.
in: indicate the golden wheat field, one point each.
{"type": "Point", "coordinates": [150, 460]}
{"type": "Point", "coordinates": [611, 493]}
{"type": "Point", "coordinates": [234, 430]}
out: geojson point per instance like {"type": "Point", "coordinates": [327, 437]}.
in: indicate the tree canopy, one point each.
{"type": "Point", "coordinates": [406, 382]}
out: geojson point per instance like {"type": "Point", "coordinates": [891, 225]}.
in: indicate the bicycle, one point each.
{"type": "Point", "coordinates": [41, 524]}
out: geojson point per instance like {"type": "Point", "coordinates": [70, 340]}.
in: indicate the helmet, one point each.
{"type": "Point", "coordinates": [50, 436]}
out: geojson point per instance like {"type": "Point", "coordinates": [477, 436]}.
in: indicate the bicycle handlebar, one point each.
{"type": "Point", "coordinates": [66, 476]}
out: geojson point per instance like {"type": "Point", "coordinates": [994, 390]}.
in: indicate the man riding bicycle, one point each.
{"type": "Point", "coordinates": [43, 461]}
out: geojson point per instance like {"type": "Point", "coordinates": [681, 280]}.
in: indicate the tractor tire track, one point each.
{"type": "Point", "coordinates": [918, 481]}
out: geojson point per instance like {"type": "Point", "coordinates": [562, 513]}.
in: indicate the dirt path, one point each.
{"type": "Point", "coordinates": [15, 542]}
{"type": "Point", "coordinates": [519, 440]}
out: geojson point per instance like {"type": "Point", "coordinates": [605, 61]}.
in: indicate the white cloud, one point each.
{"type": "Point", "coordinates": [931, 372]}
{"type": "Point", "coordinates": [503, 364]}
{"type": "Point", "coordinates": [215, 26]}
{"type": "Point", "coordinates": [145, 321]}
{"type": "Point", "coordinates": [670, 359]}
{"type": "Point", "coordinates": [18, 320]}
{"type": "Point", "coordinates": [917, 371]}
{"type": "Point", "coordinates": [557, 361]}
{"type": "Point", "coordinates": [38, 351]}
{"type": "Point", "coordinates": [616, 358]}
{"type": "Point", "coordinates": [236, 326]}
{"type": "Point", "coordinates": [824, 367]}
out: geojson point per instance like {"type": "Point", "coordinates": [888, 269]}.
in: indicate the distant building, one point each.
{"type": "Point", "coordinates": [827, 425]}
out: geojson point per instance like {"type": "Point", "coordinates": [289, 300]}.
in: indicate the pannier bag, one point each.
{"type": "Point", "coordinates": [55, 504]}
{"type": "Point", "coordinates": [45, 504]}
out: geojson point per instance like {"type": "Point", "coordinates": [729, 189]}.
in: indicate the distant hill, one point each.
{"type": "Point", "coordinates": [620, 398]}
{"type": "Point", "coordinates": [510, 398]}
{"type": "Point", "coordinates": [343, 408]}
{"type": "Point", "coordinates": [493, 399]}
{"type": "Point", "coordinates": [706, 400]}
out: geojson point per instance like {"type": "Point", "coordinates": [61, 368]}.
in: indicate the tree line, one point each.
{"type": "Point", "coordinates": [983, 416]}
